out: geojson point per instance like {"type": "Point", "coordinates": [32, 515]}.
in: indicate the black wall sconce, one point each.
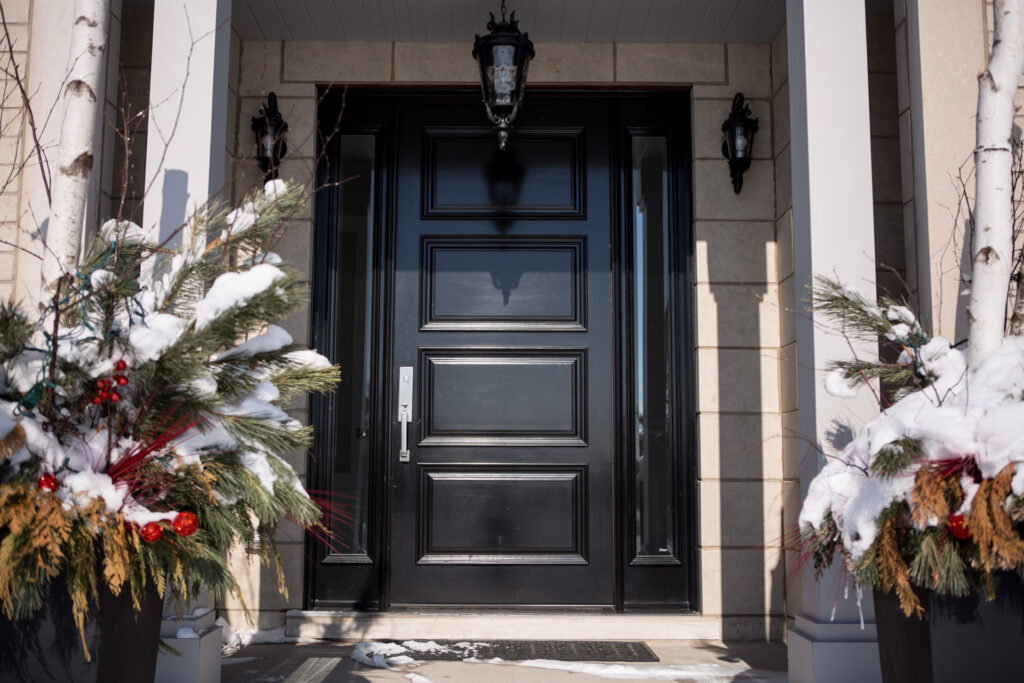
{"type": "Point", "coordinates": [504, 55]}
{"type": "Point", "coordinates": [738, 146]}
{"type": "Point", "coordinates": [270, 128]}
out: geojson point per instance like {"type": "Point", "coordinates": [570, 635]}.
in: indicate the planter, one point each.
{"type": "Point", "coordinates": [959, 639]}
{"type": "Point", "coordinates": [48, 646]}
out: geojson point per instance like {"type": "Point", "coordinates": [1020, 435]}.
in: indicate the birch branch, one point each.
{"type": "Point", "coordinates": [992, 248]}
{"type": "Point", "coordinates": [75, 156]}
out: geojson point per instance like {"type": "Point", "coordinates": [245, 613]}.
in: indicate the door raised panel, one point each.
{"type": "Point", "coordinates": [502, 515]}
{"type": "Point", "coordinates": [541, 176]}
{"type": "Point", "coordinates": [503, 397]}
{"type": "Point", "coordinates": [503, 283]}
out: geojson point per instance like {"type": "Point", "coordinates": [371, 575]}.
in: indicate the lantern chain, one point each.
{"type": "Point", "coordinates": [503, 10]}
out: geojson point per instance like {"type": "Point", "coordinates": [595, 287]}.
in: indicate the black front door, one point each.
{"type": "Point", "coordinates": [521, 318]}
{"type": "Point", "coordinates": [502, 308]}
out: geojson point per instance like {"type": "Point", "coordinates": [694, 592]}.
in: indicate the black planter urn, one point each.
{"type": "Point", "coordinates": [959, 639]}
{"type": "Point", "coordinates": [47, 646]}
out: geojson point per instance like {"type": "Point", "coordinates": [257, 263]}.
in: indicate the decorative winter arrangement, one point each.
{"type": "Point", "coordinates": [930, 493]}
{"type": "Point", "coordinates": [140, 436]}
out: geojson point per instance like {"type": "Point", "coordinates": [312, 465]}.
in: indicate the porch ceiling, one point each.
{"type": "Point", "coordinates": [548, 21]}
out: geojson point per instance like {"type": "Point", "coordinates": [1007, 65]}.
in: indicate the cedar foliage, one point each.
{"type": "Point", "coordinates": [916, 546]}
{"type": "Point", "coordinates": [200, 423]}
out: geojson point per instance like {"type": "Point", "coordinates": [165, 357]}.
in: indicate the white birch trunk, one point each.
{"type": "Point", "coordinates": [75, 157]}
{"type": "Point", "coordinates": [992, 247]}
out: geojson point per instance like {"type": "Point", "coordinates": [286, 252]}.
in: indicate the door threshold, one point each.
{"type": "Point", "coordinates": [498, 625]}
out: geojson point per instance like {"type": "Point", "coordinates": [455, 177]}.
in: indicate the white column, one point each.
{"type": "Point", "coordinates": [833, 235]}
{"type": "Point", "coordinates": [188, 94]}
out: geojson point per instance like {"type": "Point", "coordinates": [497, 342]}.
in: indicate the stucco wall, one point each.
{"type": "Point", "coordinates": [736, 292]}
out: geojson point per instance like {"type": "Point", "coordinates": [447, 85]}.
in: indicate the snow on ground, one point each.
{"type": "Point", "coordinates": [672, 672]}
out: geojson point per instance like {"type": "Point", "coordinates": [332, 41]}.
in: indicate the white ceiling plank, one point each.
{"type": "Point", "coordinates": [659, 20]}
{"type": "Point", "coordinates": [603, 19]}
{"type": "Point", "coordinates": [373, 21]}
{"type": "Point", "coordinates": [744, 20]}
{"type": "Point", "coordinates": [244, 22]}
{"type": "Point", "coordinates": [575, 21]}
{"type": "Point", "coordinates": [770, 24]}
{"type": "Point", "coordinates": [325, 20]}
{"type": "Point", "coordinates": [469, 17]}
{"type": "Point", "coordinates": [548, 21]}
{"type": "Point", "coordinates": [269, 19]}
{"type": "Point", "coordinates": [688, 20]}
{"type": "Point", "coordinates": [417, 24]}
{"type": "Point", "coordinates": [353, 19]}
{"type": "Point", "coordinates": [296, 18]}
{"type": "Point", "coordinates": [716, 21]}
{"type": "Point", "coordinates": [630, 28]}
{"type": "Point", "coordinates": [394, 28]}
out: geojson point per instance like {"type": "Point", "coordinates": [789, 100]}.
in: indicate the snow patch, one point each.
{"type": "Point", "coordinates": [234, 289]}
{"type": "Point", "coordinates": [154, 335]}
{"type": "Point", "coordinates": [837, 385]}
{"type": "Point", "coordinates": [703, 672]}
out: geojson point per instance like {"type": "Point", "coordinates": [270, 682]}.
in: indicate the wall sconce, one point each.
{"type": "Point", "coordinates": [270, 128]}
{"type": "Point", "coordinates": [738, 146]}
{"type": "Point", "coordinates": [504, 55]}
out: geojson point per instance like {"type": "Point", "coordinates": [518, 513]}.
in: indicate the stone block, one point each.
{"type": "Point", "coordinates": [9, 207]}
{"type": "Point", "coordinates": [17, 11]}
{"type": "Point", "coordinates": [296, 247]}
{"type": "Point", "coordinates": [738, 380]}
{"type": "Point", "coordinates": [336, 62]}
{"type": "Point", "coordinates": [906, 158]}
{"type": "Point", "coordinates": [708, 116]}
{"type": "Point", "coordinates": [742, 251]}
{"type": "Point", "coordinates": [573, 63]}
{"type": "Point", "coordinates": [669, 63]}
{"type": "Point", "coordinates": [881, 41]}
{"type": "Point", "coordinates": [787, 378]}
{"type": "Point", "coordinates": [902, 70]}
{"type": "Point", "coordinates": [889, 240]}
{"type": "Point", "coordinates": [714, 197]}
{"type": "Point", "coordinates": [784, 244]}
{"type": "Point", "coordinates": [783, 178]}
{"type": "Point", "coordinates": [886, 181]}
{"type": "Point", "coordinates": [292, 564]}
{"type": "Point", "coordinates": [740, 446]}
{"type": "Point", "coordinates": [742, 581]}
{"type": "Point", "coordinates": [8, 242]}
{"type": "Point", "coordinates": [136, 43]}
{"type": "Point", "coordinates": [8, 265]}
{"type": "Point", "coordinates": [883, 105]}
{"type": "Point", "coordinates": [740, 513]}
{"type": "Point", "coordinates": [780, 60]}
{"type": "Point", "coordinates": [780, 120]}
{"type": "Point", "coordinates": [793, 445]}
{"type": "Point", "coordinates": [18, 35]}
{"type": "Point", "coordinates": [787, 311]}
{"type": "Point", "coordinates": [436, 63]}
{"type": "Point", "coordinates": [260, 72]}
{"type": "Point", "coordinates": [749, 71]}
{"type": "Point", "coordinates": [737, 316]}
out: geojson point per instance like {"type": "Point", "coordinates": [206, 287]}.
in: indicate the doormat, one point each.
{"type": "Point", "coordinates": [521, 650]}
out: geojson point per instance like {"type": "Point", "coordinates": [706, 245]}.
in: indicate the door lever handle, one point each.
{"type": "Point", "coordinates": [405, 377]}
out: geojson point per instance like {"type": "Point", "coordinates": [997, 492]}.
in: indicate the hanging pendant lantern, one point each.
{"type": "Point", "coordinates": [504, 56]}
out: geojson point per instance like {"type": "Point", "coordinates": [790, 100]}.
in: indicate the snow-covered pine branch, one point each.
{"type": "Point", "coordinates": [75, 155]}
{"type": "Point", "coordinates": [992, 248]}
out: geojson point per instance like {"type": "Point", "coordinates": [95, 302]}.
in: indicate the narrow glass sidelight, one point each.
{"type": "Point", "coordinates": [353, 334]}
{"type": "Point", "coordinates": [653, 329]}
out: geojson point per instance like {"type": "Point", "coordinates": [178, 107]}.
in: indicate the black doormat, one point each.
{"type": "Point", "coordinates": [520, 650]}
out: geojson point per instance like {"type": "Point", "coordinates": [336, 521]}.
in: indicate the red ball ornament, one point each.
{"type": "Point", "coordinates": [958, 527]}
{"type": "Point", "coordinates": [47, 482]}
{"type": "Point", "coordinates": [97, 400]}
{"type": "Point", "coordinates": [151, 532]}
{"type": "Point", "coordinates": [121, 380]}
{"type": "Point", "coordinates": [185, 523]}
{"type": "Point", "coordinates": [121, 365]}
{"type": "Point", "coordinates": [114, 397]}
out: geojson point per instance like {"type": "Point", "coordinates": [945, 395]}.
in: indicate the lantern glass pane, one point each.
{"type": "Point", "coordinates": [503, 73]}
{"type": "Point", "coordinates": [740, 143]}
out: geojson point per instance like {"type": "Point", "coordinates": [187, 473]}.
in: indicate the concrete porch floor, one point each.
{"type": "Point", "coordinates": [329, 662]}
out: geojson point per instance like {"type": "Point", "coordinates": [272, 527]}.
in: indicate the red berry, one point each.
{"type": "Point", "coordinates": [185, 523]}
{"type": "Point", "coordinates": [97, 400]}
{"type": "Point", "coordinates": [151, 532]}
{"type": "Point", "coordinates": [958, 527]}
{"type": "Point", "coordinates": [114, 397]}
{"type": "Point", "coordinates": [102, 396]}
{"type": "Point", "coordinates": [47, 482]}
{"type": "Point", "coordinates": [121, 380]}
{"type": "Point", "coordinates": [121, 365]}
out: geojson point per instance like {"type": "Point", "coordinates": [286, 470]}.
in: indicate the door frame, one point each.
{"type": "Point", "coordinates": [366, 576]}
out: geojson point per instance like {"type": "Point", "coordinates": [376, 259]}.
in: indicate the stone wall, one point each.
{"type": "Point", "coordinates": [736, 292]}
{"type": "Point", "coordinates": [13, 125]}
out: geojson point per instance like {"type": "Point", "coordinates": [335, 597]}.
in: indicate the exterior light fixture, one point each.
{"type": "Point", "coordinates": [270, 128]}
{"type": "Point", "coordinates": [738, 146]}
{"type": "Point", "coordinates": [504, 55]}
